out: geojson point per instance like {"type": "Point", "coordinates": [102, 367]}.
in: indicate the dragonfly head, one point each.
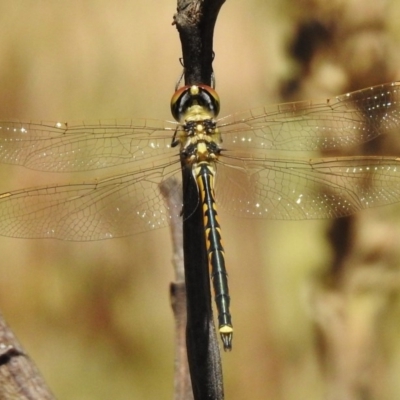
{"type": "Point", "coordinates": [195, 99]}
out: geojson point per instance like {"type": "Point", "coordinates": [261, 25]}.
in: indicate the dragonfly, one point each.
{"type": "Point", "coordinates": [260, 163]}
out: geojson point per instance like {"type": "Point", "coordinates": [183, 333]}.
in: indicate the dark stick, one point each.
{"type": "Point", "coordinates": [195, 22]}
{"type": "Point", "coordinates": [201, 339]}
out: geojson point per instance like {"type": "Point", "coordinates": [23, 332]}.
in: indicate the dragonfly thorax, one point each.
{"type": "Point", "coordinates": [200, 141]}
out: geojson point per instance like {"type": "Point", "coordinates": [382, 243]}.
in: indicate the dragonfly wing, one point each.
{"type": "Point", "coordinates": [117, 206]}
{"type": "Point", "coordinates": [331, 124]}
{"type": "Point", "coordinates": [306, 189]}
{"type": "Point", "coordinates": [82, 146]}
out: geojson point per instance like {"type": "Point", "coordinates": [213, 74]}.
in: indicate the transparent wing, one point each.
{"type": "Point", "coordinates": [306, 189]}
{"type": "Point", "coordinates": [348, 119]}
{"type": "Point", "coordinates": [255, 184]}
{"type": "Point", "coordinates": [307, 126]}
{"type": "Point", "coordinates": [117, 206]}
{"type": "Point", "coordinates": [82, 146]}
{"type": "Point", "coordinates": [260, 188]}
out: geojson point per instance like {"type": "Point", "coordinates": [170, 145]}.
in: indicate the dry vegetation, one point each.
{"type": "Point", "coordinates": [95, 316]}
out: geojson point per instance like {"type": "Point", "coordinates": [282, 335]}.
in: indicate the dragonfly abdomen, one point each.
{"type": "Point", "coordinates": [204, 173]}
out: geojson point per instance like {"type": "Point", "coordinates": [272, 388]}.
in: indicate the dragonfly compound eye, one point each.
{"type": "Point", "coordinates": [195, 95]}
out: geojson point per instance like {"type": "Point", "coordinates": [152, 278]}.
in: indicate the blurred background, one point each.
{"type": "Point", "coordinates": [311, 321]}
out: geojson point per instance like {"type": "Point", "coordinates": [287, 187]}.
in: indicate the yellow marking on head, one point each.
{"type": "Point", "coordinates": [194, 90]}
